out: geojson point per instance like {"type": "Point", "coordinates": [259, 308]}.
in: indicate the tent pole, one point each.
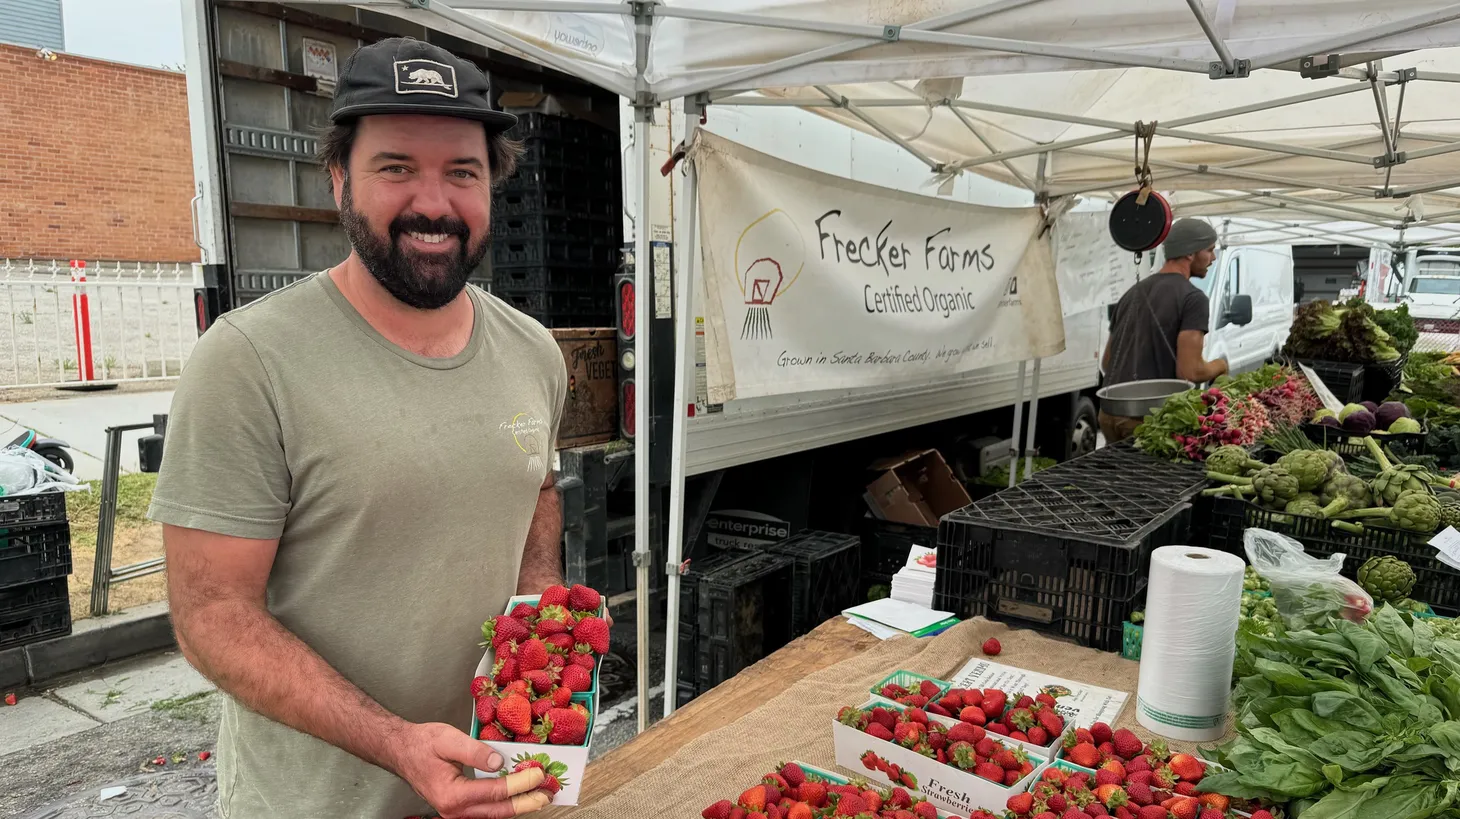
{"type": "Point", "coordinates": [643, 295]}
{"type": "Point", "coordinates": [843, 102]}
{"type": "Point", "coordinates": [1223, 54]}
{"type": "Point", "coordinates": [684, 350]}
{"type": "Point", "coordinates": [1033, 421]}
{"type": "Point", "coordinates": [1018, 421]}
{"type": "Point", "coordinates": [1356, 38]}
{"type": "Point", "coordinates": [745, 75]}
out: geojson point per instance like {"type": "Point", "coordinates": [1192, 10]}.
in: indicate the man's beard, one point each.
{"type": "Point", "coordinates": [420, 281]}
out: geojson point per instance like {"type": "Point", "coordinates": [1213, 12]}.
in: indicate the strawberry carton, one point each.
{"type": "Point", "coordinates": [795, 790]}
{"type": "Point", "coordinates": [535, 693]}
{"type": "Point", "coordinates": [1146, 784]}
{"type": "Point", "coordinates": [960, 768]}
{"type": "Point", "coordinates": [1037, 724]}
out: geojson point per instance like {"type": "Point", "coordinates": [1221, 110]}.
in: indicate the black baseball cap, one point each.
{"type": "Point", "coordinates": [402, 75]}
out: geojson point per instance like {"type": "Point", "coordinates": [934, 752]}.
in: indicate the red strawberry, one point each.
{"type": "Point", "coordinates": [1084, 735]}
{"type": "Point", "coordinates": [1127, 744]}
{"type": "Point", "coordinates": [556, 661]}
{"type": "Point", "coordinates": [963, 732]}
{"type": "Point", "coordinates": [1215, 801]}
{"type": "Point", "coordinates": [491, 733]}
{"type": "Point", "coordinates": [1124, 812]}
{"type": "Point", "coordinates": [1050, 721]}
{"type": "Point", "coordinates": [907, 734]}
{"type": "Point", "coordinates": [925, 810]}
{"type": "Point", "coordinates": [1038, 736]}
{"type": "Point", "coordinates": [1139, 792]}
{"type": "Point", "coordinates": [584, 657]}
{"type": "Point", "coordinates": [973, 715]}
{"type": "Point", "coordinates": [515, 714]}
{"type": "Point", "coordinates": [880, 731]}
{"type": "Point", "coordinates": [594, 632]}
{"type": "Point", "coordinates": [792, 775]}
{"type": "Point", "coordinates": [562, 697]}
{"type": "Point", "coordinates": [892, 691]}
{"type": "Point", "coordinates": [504, 672]}
{"type": "Point", "coordinates": [991, 647]}
{"type": "Point", "coordinates": [582, 598]}
{"type": "Point", "coordinates": [1095, 809]}
{"type": "Point", "coordinates": [1024, 701]}
{"type": "Point", "coordinates": [1107, 749]}
{"type": "Point", "coordinates": [1186, 789]}
{"type": "Point", "coordinates": [1140, 763]}
{"type": "Point", "coordinates": [1084, 755]}
{"type": "Point", "coordinates": [503, 629]}
{"type": "Point", "coordinates": [1188, 767]}
{"type": "Point", "coordinates": [1158, 812]}
{"type": "Point", "coordinates": [986, 747]}
{"type": "Point", "coordinates": [540, 680]}
{"type": "Point", "coordinates": [577, 679]}
{"type": "Point", "coordinates": [998, 728]}
{"type": "Point", "coordinates": [1185, 808]}
{"type": "Point", "coordinates": [1163, 778]}
{"type": "Point", "coordinates": [553, 596]}
{"type": "Point", "coordinates": [873, 800]}
{"type": "Point", "coordinates": [1075, 813]}
{"type": "Point", "coordinates": [523, 612]}
{"type": "Point", "coordinates": [1045, 698]}
{"type": "Point", "coordinates": [559, 643]}
{"type": "Point", "coordinates": [1046, 815]}
{"type": "Point", "coordinates": [850, 805]}
{"type": "Point", "coordinates": [1102, 733]}
{"type": "Point", "coordinates": [1111, 795]}
{"type": "Point", "coordinates": [989, 771]}
{"type": "Point", "coordinates": [531, 655]}
{"type": "Point", "coordinates": [1005, 759]}
{"type": "Point", "coordinates": [953, 701]}
{"type": "Point", "coordinates": [1011, 778]}
{"type": "Point", "coordinates": [935, 708]}
{"type": "Point", "coordinates": [814, 794]}
{"type": "Point", "coordinates": [1057, 803]}
{"type": "Point", "coordinates": [915, 700]}
{"type": "Point", "coordinates": [1261, 814]}
{"type": "Point", "coordinates": [481, 686]}
{"type": "Point", "coordinates": [486, 709]}
{"type": "Point", "coordinates": [1019, 735]}
{"type": "Point", "coordinates": [542, 706]}
{"type": "Point", "coordinates": [994, 701]}
{"type": "Point", "coordinates": [1104, 777]}
{"type": "Point", "coordinates": [1212, 813]}
{"type": "Point", "coordinates": [547, 628]}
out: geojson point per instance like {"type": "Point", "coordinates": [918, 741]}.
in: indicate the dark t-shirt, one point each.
{"type": "Point", "coordinates": [1137, 351]}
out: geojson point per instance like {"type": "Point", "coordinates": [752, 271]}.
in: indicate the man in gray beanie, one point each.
{"type": "Point", "coordinates": [1160, 324]}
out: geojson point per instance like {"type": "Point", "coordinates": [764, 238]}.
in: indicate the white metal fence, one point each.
{"type": "Point", "coordinates": [139, 317]}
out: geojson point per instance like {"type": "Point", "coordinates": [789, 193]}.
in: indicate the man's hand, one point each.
{"type": "Point", "coordinates": [430, 758]}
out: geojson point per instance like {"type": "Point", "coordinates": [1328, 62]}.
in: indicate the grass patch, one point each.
{"type": "Point", "coordinates": [134, 495]}
{"type": "Point", "coordinates": [192, 708]}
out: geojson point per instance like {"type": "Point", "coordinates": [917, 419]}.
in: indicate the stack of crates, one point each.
{"type": "Point", "coordinates": [35, 559]}
{"type": "Point", "coordinates": [556, 223]}
{"type": "Point", "coordinates": [689, 618]}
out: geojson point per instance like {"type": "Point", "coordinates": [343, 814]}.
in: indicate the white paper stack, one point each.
{"type": "Point", "coordinates": [913, 583]}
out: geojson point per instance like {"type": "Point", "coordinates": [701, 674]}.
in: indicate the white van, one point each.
{"type": "Point", "coordinates": [1251, 294]}
{"type": "Point", "coordinates": [1432, 291]}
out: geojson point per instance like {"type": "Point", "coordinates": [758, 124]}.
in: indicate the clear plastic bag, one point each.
{"type": "Point", "coordinates": [1306, 590]}
{"type": "Point", "coordinates": [23, 472]}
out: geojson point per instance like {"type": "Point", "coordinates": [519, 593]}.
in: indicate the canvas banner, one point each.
{"type": "Point", "coordinates": [816, 282]}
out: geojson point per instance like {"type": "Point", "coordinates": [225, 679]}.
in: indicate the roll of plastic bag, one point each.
{"type": "Point", "coordinates": [1193, 603]}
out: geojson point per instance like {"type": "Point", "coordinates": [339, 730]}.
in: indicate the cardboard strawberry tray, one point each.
{"type": "Point", "coordinates": [893, 760]}
{"type": "Point", "coordinates": [946, 704]}
{"type": "Point", "coordinates": [1117, 784]}
{"type": "Point", "coordinates": [565, 761]}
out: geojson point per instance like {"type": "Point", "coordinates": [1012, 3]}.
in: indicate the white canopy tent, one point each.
{"type": "Point", "coordinates": [1291, 121]}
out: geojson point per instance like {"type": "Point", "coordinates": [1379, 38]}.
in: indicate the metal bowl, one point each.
{"type": "Point", "coordinates": [1135, 399]}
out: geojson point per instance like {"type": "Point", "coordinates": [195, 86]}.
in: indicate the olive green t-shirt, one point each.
{"type": "Point", "coordinates": [401, 489]}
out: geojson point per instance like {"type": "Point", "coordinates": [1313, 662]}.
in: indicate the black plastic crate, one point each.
{"type": "Point", "coordinates": [564, 180]}
{"type": "Point", "coordinates": [34, 612]}
{"type": "Point", "coordinates": [1382, 379]}
{"type": "Point", "coordinates": [35, 553]}
{"type": "Point", "coordinates": [555, 227]}
{"type": "Point", "coordinates": [1122, 465]}
{"type": "Point", "coordinates": [538, 302]}
{"type": "Point", "coordinates": [745, 614]}
{"type": "Point", "coordinates": [1110, 514]}
{"type": "Point", "coordinates": [33, 510]}
{"type": "Point", "coordinates": [516, 201]}
{"type": "Point", "coordinates": [536, 253]}
{"type": "Point", "coordinates": [1350, 444]}
{"type": "Point", "coordinates": [689, 610]}
{"type": "Point", "coordinates": [1345, 381]}
{"type": "Point", "coordinates": [551, 127]}
{"type": "Point", "coordinates": [828, 566]}
{"type": "Point", "coordinates": [885, 545]}
{"type": "Point", "coordinates": [1082, 587]}
{"type": "Point", "coordinates": [552, 278]}
{"type": "Point", "coordinates": [1435, 583]}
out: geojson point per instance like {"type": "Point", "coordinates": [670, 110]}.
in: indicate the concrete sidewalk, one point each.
{"type": "Point", "coordinates": [82, 421]}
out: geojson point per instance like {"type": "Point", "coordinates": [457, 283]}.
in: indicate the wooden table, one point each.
{"type": "Point", "coordinates": [830, 643]}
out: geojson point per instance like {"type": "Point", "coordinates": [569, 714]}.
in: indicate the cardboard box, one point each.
{"type": "Point", "coordinates": [944, 785]}
{"type": "Point", "coordinates": [916, 488]}
{"type": "Point", "coordinates": [571, 760]}
{"type": "Point", "coordinates": [590, 410]}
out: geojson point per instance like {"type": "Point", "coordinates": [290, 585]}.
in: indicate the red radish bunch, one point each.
{"type": "Point", "coordinates": [544, 654]}
{"type": "Point", "coordinates": [790, 792]}
{"type": "Point", "coordinates": [966, 747]}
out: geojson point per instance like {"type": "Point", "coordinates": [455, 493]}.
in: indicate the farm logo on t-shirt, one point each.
{"type": "Point", "coordinates": [527, 434]}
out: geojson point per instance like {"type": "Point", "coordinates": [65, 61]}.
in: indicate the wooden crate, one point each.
{"type": "Point", "coordinates": [590, 412]}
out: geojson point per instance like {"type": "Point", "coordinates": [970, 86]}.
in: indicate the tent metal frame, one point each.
{"type": "Point", "coordinates": [724, 86]}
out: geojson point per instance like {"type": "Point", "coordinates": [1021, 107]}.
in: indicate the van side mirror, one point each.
{"type": "Point", "coordinates": [1239, 311]}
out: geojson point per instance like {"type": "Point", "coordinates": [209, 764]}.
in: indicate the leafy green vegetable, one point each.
{"type": "Point", "coordinates": [1351, 720]}
{"type": "Point", "coordinates": [1399, 325]}
{"type": "Point", "coordinates": [1347, 333]}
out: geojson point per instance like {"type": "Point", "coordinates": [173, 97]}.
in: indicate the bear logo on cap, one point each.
{"type": "Point", "coordinates": [424, 77]}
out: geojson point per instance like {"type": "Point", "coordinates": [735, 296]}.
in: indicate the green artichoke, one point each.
{"type": "Point", "coordinates": [1349, 487]}
{"type": "Point", "coordinates": [1231, 459]}
{"type": "Point", "coordinates": [1275, 486]}
{"type": "Point", "coordinates": [1450, 514]}
{"type": "Point", "coordinates": [1310, 466]}
{"type": "Point", "coordinates": [1305, 504]}
{"type": "Point", "coordinates": [1414, 511]}
{"type": "Point", "coordinates": [1386, 579]}
{"type": "Point", "coordinates": [1396, 480]}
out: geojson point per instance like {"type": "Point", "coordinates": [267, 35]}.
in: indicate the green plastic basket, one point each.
{"type": "Point", "coordinates": [911, 681]}
{"type": "Point", "coordinates": [1130, 647]}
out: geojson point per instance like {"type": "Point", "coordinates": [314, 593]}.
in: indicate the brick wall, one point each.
{"type": "Point", "coordinates": [95, 160]}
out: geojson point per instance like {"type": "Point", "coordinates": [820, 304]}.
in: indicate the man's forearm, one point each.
{"type": "Point", "coordinates": [252, 657]}
{"type": "Point", "coordinates": [542, 554]}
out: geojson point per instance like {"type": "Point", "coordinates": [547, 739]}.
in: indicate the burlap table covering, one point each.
{"type": "Point", "coordinates": [797, 723]}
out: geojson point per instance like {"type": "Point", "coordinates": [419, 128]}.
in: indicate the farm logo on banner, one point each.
{"type": "Point", "coordinates": [835, 284]}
